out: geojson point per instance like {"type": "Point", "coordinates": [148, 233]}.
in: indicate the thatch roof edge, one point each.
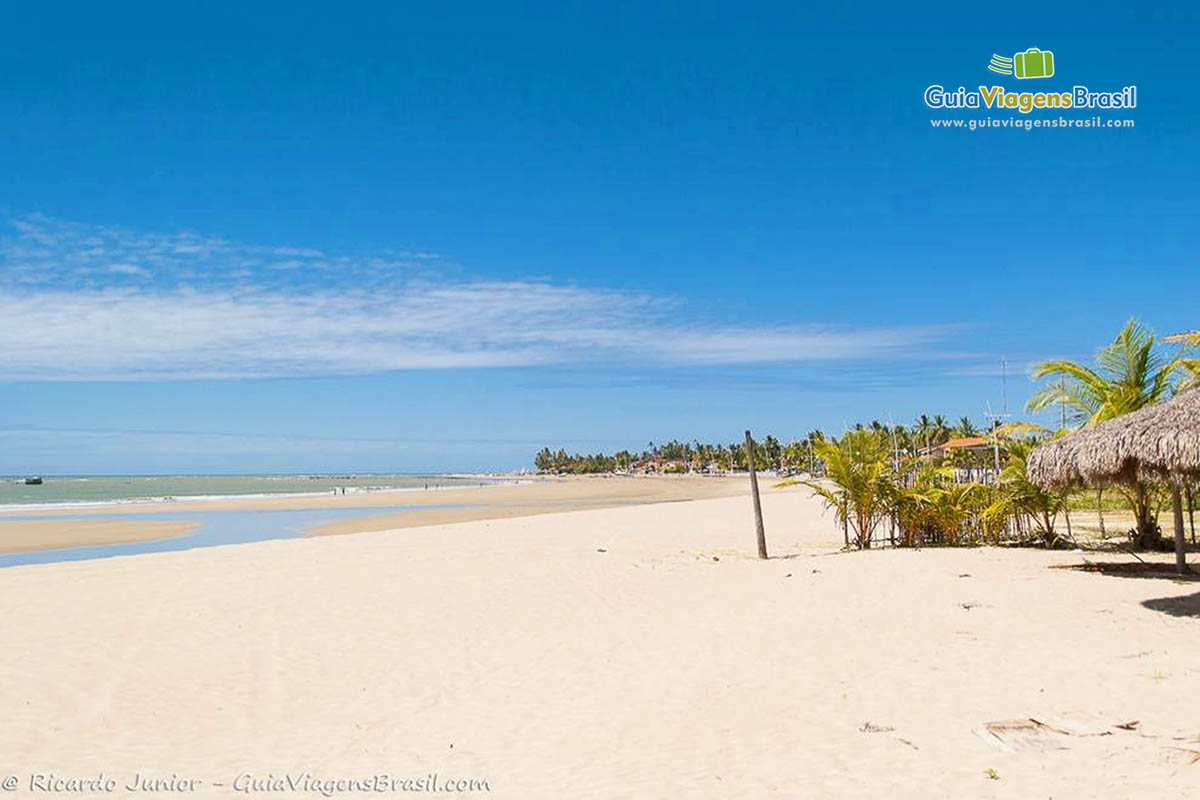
{"type": "Point", "coordinates": [1156, 443]}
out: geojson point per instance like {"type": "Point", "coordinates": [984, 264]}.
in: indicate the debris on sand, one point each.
{"type": "Point", "coordinates": [1049, 732]}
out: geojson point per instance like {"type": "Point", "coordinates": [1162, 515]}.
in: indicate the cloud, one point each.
{"type": "Point", "coordinates": [87, 303]}
{"type": "Point", "coordinates": [45, 252]}
{"type": "Point", "coordinates": [1009, 368]}
{"type": "Point", "coordinates": [127, 269]}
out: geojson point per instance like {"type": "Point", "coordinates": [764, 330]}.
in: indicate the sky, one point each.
{"type": "Point", "coordinates": [426, 237]}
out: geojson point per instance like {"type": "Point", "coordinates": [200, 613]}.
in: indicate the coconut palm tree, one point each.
{"type": "Point", "coordinates": [859, 482]}
{"type": "Point", "coordinates": [922, 429]}
{"type": "Point", "coordinates": [941, 430]}
{"type": "Point", "coordinates": [1018, 495]}
{"type": "Point", "coordinates": [1192, 365]}
{"type": "Point", "coordinates": [929, 506]}
{"type": "Point", "coordinates": [1130, 374]}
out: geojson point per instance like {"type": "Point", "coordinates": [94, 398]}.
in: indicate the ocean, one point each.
{"type": "Point", "coordinates": [86, 489]}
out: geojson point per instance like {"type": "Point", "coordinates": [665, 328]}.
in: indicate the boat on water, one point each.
{"type": "Point", "coordinates": [36, 480]}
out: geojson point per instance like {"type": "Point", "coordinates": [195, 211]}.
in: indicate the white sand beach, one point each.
{"type": "Point", "coordinates": [633, 652]}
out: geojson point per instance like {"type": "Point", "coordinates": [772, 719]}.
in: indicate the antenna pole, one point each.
{"type": "Point", "coordinates": [1062, 402]}
{"type": "Point", "coordinates": [1004, 384]}
{"type": "Point", "coordinates": [998, 419]}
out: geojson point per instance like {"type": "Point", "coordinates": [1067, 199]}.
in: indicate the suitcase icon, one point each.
{"type": "Point", "coordinates": [1034, 63]}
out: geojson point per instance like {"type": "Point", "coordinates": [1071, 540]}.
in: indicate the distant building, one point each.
{"type": "Point", "coordinates": [963, 444]}
{"type": "Point", "coordinates": [972, 457]}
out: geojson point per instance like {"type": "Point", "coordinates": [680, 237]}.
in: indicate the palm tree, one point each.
{"type": "Point", "coordinates": [1018, 495]}
{"type": "Point", "coordinates": [966, 427]}
{"type": "Point", "coordinates": [812, 438]}
{"type": "Point", "coordinates": [922, 428]}
{"type": "Point", "coordinates": [929, 506]}
{"type": "Point", "coordinates": [1192, 365]}
{"type": "Point", "coordinates": [1130, 374]}
{"type": "Point", "coordinates": [941, 429]}
{"type": "Point", "coordinates": [859, 482]}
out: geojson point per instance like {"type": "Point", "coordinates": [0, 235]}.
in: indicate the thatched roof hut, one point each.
{"type": "Point", "coordinates": [1158, 443]}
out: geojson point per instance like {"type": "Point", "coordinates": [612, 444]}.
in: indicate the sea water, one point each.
{"type": "Point", "coordinates": [216, 527]}
{"type": "Point", "coordinates": [81, 489]}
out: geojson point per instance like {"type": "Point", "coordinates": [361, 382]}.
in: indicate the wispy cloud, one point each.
{"type": "Point", "coordinates": [43, 252]}
{"type": "Point", "coordinates": [1009, 368]}
{"type": "Point", "coordinates": [81, 302]}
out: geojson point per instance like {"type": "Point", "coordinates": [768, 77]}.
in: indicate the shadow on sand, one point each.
{"type": "Point", "coordinates": [1178, 606]}
{"type": "Point", "coordinates": [1161, 570]}
{"type": "Point", "coordinates": [1185, 606]}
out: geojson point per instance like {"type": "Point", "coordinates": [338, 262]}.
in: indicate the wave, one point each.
{"type": "Point", "coordinates": [461, 482]}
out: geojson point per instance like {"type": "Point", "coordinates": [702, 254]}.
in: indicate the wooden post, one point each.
{"type": "Point", "coordinates": [758, 523]}
{"type": "Point", "coordinates": [1180, 546]}
{"type": "Point", "coordinates": [1191, 514]}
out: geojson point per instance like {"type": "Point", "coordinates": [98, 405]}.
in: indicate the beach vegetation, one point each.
{"type": "Point", "coordinates": [931, 508]}
{"type": "Point", "coordinates": [1128, 374]}
{"type": "Point", "coordinates": [1018, 498]}
{"type": "Point", "coordinates": [937, 483]}
{"type": "Point", "coordinates": [922, 501]}
{"type": "Point", "coordinates": [859, 482]}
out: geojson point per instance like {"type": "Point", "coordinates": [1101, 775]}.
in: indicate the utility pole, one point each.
{"type": "Point", "coordinates": [998, 419]}
{"type": "Point", "coordinates": [1004, 384]}
{"type": "Point", "coordinates": [758, 522]}
{"type": "Point", "coordinates": [895, 444]}
{"type": "Point", "coordinates": [1062, 404]}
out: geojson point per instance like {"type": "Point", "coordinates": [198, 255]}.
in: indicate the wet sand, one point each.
{"type": "Point", "coordinates": [564, 494]}
{"type": "Point", "coordinates": [19, 536]}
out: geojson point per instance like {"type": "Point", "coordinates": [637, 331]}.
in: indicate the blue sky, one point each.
{"type": "Point", "coordinates": [394, 237]}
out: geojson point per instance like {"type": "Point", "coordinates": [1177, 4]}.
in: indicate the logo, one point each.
{"type": "Point", "coordinates": [1033, 63]}
{"type": "Point", "coordinates": [1001, 64]}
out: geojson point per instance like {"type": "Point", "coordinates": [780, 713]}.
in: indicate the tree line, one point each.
{"type": "Point", "coordinates": [797, 455]}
